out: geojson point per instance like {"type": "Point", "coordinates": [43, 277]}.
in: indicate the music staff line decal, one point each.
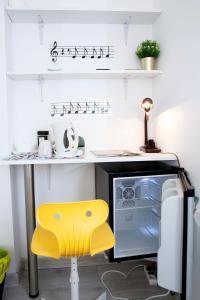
{"type": "Point", "coordinates": [82, 108]}
{"type": "Point", "coordinates": [83, 52]}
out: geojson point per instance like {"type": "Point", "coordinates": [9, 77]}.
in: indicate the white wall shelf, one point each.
{"type": "Point", "coordinates": [97, 74]}
{"type": "Point", "coordinates": [98, 16]}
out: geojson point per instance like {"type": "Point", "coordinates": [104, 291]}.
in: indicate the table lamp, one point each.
{"type": "Point", "coordinates": [149, 145]}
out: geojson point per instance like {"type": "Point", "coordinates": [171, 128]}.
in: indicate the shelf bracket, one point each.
{"type": "Point", "coordinates": [125, 88]}
{"type": "Point", "coordinates": [41, 85]}
{"type": "Point", "coordinates": [126, 29]}
{"type": "Point", "coordinates": [41, 29]}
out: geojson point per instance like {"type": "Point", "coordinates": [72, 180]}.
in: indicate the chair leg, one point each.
{"type": "Point", "coordinates": [102, 296]}
{"type": "Point", "coordinates": [74, 279]}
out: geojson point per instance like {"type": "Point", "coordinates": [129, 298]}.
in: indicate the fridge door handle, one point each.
{"type": "Point", "coordinates": [187, 187]}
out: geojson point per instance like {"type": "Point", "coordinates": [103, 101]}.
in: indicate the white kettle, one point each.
{"type": "Point", "coordinates": [66, 139]}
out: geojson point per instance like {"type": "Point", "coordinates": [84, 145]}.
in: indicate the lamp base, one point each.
{"type": "Point", "coordinates": [150, 147]}
{"type": "Point", "coordinates": [150, 150]}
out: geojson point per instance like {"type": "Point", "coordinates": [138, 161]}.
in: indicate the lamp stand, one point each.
{"type": "Point", "coordinates": [149, 145]}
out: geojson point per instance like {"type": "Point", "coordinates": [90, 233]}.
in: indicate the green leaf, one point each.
{"type": "Point", "coordinates": [148, 48]}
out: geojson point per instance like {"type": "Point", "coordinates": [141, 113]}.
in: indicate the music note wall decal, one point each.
{"type": "Point", "coordinates": [93, 52]}
{"type": "Point", "coordinates": [78, 107]}
{"type": "Point", "coordinates": [54, 52]}
{"type": "Point", "coordinates": [95, 108]}
{"type": "Point", "coordinates": [63, 111]}
{"type": "Point", "coordinates": [101, 53]}
{"type": "Point", "coordinates": [53, 110]}
{"type": "Point", "coordinates": [75, 53]}
{"type": "Point", "coordinates": [70, 109]}
{"type": "Point", "coordinates": [85, 53]}
{"type": "Point", "coordinates": [108, 52]}
{"type": "Point", "coordinates": [87, 107]}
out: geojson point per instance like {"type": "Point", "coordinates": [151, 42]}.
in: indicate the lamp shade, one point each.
{"type": "Point", "coordinates": [147, 104]}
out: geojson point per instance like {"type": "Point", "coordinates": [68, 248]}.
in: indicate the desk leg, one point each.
{"type": "Point", "coordinates": [30, 226]}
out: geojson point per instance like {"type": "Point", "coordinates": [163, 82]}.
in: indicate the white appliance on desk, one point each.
{"type": "Point", "coordinates": [66, 139]}
{"type": "Point", "coordinates": [151, 207]}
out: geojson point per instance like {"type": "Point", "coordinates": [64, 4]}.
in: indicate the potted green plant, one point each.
{"type": "Point", "coordinates": [147, 52]}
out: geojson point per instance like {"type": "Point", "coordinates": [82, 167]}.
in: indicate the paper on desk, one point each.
{"type": "Point", "coordinates": [114, 153]}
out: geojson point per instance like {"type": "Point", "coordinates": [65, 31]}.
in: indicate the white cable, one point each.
{"type": "Point", "coordinates": [132, 269]}
{"type": "Point", "coordinates": [112, 271]}
{"type": "Point", "coordinates": [156, 296]}
{"type": "Point", "coordinates": [126, 275]}
{"type": "Point", "coordinates": [123, 274]}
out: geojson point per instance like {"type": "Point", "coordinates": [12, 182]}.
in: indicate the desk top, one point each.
{"type": "Point", "coordinates": [89, 157]}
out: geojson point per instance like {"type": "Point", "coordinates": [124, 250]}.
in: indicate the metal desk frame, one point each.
{"type": "Point", "coordinates": [30, 227]}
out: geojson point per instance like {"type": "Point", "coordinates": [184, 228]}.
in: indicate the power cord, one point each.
{"type": "Point", "coordinates": [178, 160]}
{"type": "Point", "coordinates": [119, 272]}
{"type": "Point", "coordinates": [156, 296]}
{"type": "Point", "coordinates": [109, 291]}
{"type": "Point", "coordinates": [126, 275]}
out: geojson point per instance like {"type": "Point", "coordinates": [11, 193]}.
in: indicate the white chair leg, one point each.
{"type": "Point", "coordinates": [74, 279]}
{"type": "Point", "coordinates": [102, 296]}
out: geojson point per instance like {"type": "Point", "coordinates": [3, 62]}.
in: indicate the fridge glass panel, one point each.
{"type": "Point", "coordinates": [137, 206]}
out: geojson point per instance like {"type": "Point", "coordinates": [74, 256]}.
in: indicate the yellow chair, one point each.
{"type": "Point", "coordinates": [72, 229]}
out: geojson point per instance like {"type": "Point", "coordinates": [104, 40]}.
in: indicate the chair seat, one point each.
{"type": "Point", "coordinates": [46, 243]}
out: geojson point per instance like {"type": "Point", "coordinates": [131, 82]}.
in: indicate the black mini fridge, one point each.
{"type": "Point", "coordinates": [150, 212]}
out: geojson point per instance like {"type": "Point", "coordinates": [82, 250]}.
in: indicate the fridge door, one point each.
{"type": "Point", "coordinates": [175, 251]}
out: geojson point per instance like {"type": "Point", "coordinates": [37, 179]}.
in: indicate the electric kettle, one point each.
{"type": "Point", "coordinates": [66, 139]}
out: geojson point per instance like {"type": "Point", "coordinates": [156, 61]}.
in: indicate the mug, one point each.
{"type": "Point", "coordinates": [45, 149]}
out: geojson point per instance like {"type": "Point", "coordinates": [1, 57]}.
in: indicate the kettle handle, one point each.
{"type": "Point", "coordinates": [75, 135]}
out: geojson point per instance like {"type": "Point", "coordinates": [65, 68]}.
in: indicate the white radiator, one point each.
{"type": "Point", "coordinates": [171, 227]}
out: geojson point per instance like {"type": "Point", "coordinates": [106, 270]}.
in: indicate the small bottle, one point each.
{"type": "Point", "coordinates": [42, 136]}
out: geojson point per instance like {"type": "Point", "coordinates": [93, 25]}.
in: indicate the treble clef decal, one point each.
{"type": "Point", "coordinates": [54, 52]}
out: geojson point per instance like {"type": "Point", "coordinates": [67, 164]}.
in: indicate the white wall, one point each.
{"type": "Point", "coordinates": [6, 210]}
{"type": "Point", "coordinates": [28, 110]}
{"type": "Point", "coordinates": [177, 90]}
{"type": "Point", "coordinates": [28, 114]}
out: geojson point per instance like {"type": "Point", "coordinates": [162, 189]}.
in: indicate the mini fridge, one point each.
{"type": "Point", "coordinates": [150, 213]}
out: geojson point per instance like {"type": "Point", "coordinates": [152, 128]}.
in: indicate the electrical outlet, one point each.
{"type": "Point", "coordinates": [151, 275]}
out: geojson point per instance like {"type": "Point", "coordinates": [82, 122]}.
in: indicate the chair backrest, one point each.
{"type": "Point", "coordinates": [73, 223]}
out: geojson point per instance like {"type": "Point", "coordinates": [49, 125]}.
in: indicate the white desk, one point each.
{"type": "Point", "coordinates": [30, 195]}
{"type": "Point", "coordinates": [89, 157]}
